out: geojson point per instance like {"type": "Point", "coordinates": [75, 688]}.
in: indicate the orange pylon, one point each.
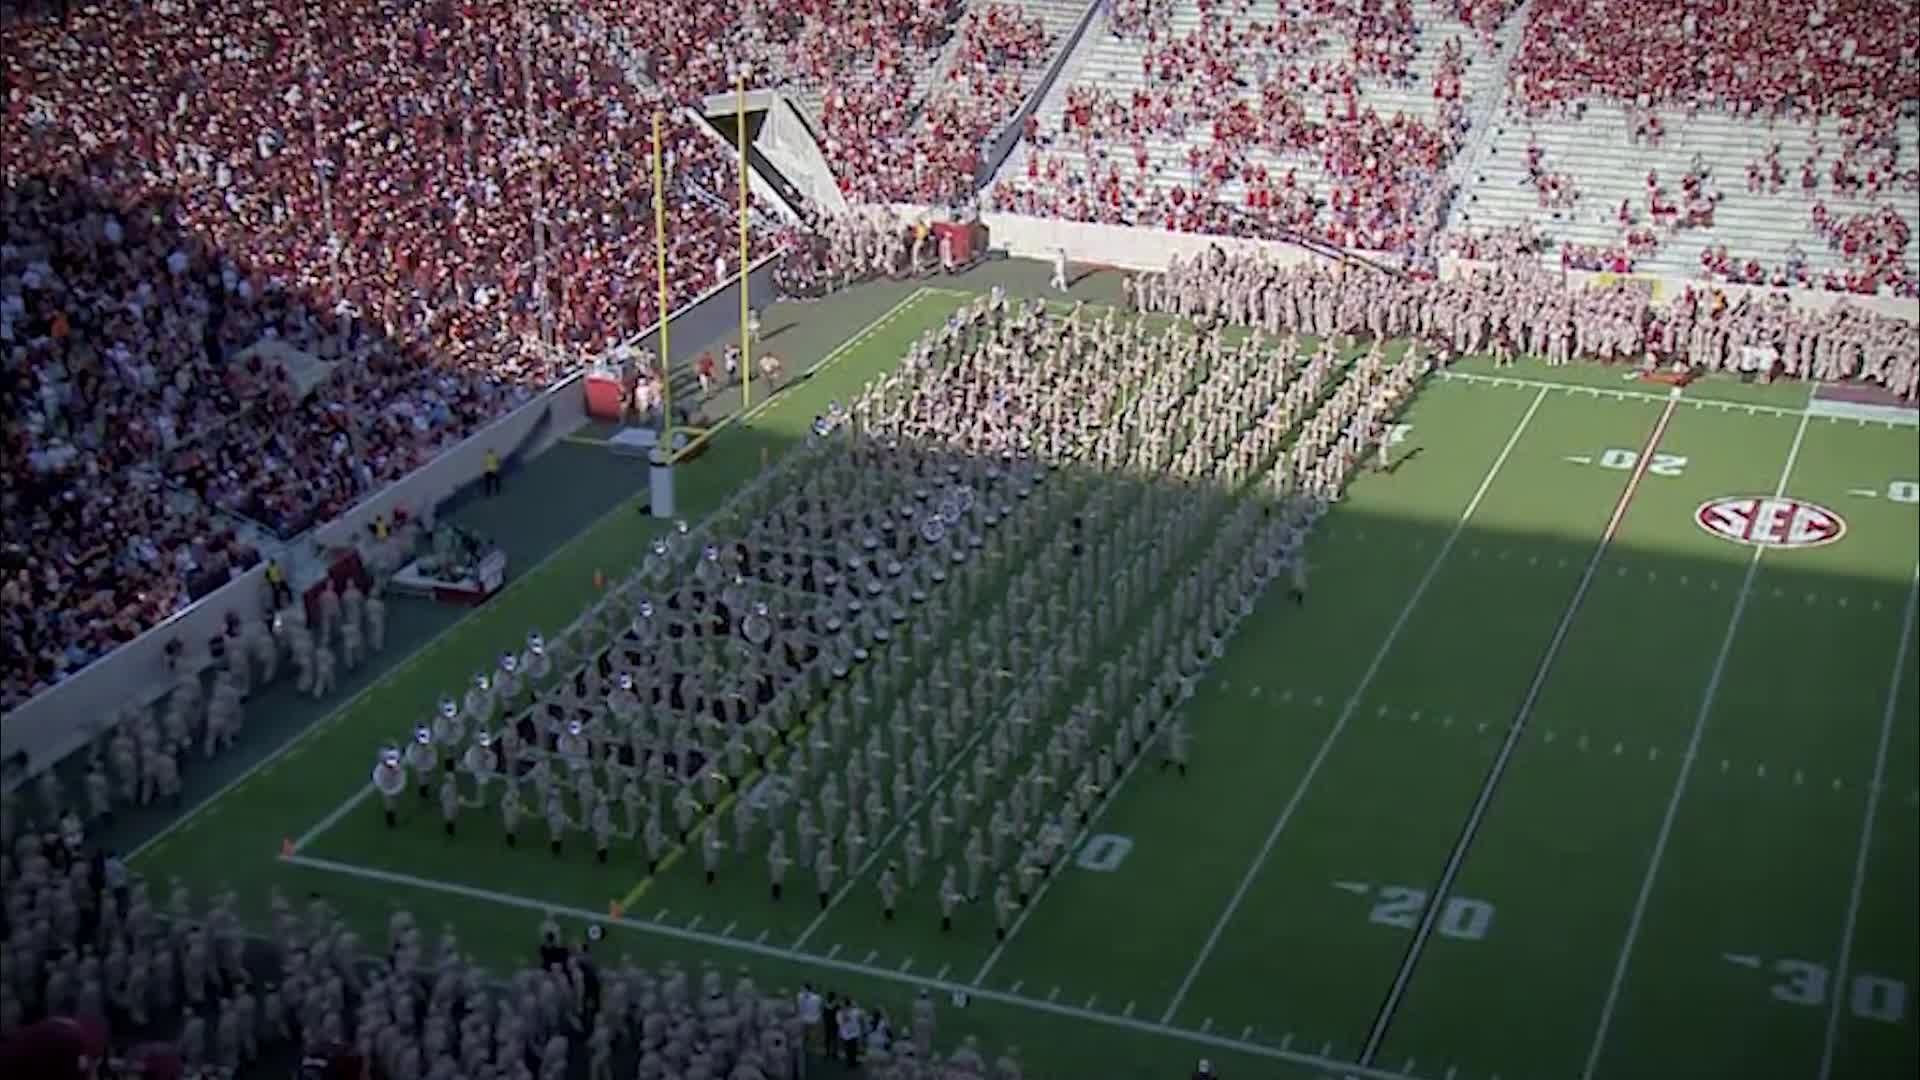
{"type": "Point", "coordinates": [286, 847]}
{"type": "Point", "coordinates": [599, 579]}
{"type": "Point", "coordinates": [614, 910]}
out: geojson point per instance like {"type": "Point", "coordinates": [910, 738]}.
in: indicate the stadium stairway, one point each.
{"type": "Point", "coordinates": [1108, 62]}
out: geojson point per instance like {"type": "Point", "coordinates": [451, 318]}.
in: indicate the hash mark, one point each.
{"type": "Point", "coordinates": [694, 924]}
{"type": "Point", "coordinates": [1798, 778]}
{"type": "Point", "coordinates": [833, 952]}
{"type": "Point", "coordinates": [1743, 959]}
{"type": "Point", "coordinates": [1760, 769]}
{"type": "Point", "coordinates": [1382, 711]}
{"type": "Point", "coordinates": [1533, 560]}
{"type": "Point", "coordinates": [1583, 742]}
{"type": "Point", "coordinates": [1128, 1011]}
{"type": "Point", "coordinates": [761, 939]}
{"type": "Point", "coordinates": [1318, 701]}
{"type": "Point", "coordinates": [1482, 728]}
{"type": "Point", "coordinates": [872, 955]}
{"type": "Point", "coordinates": [1286, 1040]}
{"type": "Point", "coordinates": [942, 973]}
{"type": "Point", "coordinates": [1053, 993]}
{"type": "Point", "coordinates": [1622, 572]}
{"type": "Point", "coordinates": [1017, 984]}
{"type": "Point", "coordinates": [1618, 747]}
{"type": "Point", "coordinates": [1246, 1033]}
{"type": "Point", "coordinates": [1549, 736]}
{"type": "Point", "coordinates": [1723, 764]}
{"type": "Point", "coordinates": [1090, 1000]}
{"type": "Point", "coordinates": [1836, 783]}
{"type": "Point", "coordinates": [727, 930]}
{"type": "Point", "coordinates": [1206, 1025]}
{"type": "Point", "coordinates": [1653, 753]}
{"type": "Point", "coordinates": [660, 916]}
{"type": "Point", "coordinates": [1357, 888]}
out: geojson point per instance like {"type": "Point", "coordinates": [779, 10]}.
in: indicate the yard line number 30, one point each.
{"type": "Point", "coordinates": [1870, 997]}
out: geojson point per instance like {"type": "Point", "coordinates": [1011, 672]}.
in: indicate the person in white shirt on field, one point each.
{"type": "Point", "coordinates": [1060, 268]}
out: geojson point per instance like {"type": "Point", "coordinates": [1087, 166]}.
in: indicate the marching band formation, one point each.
{"type": "Point", "coordinates": [925, 654]}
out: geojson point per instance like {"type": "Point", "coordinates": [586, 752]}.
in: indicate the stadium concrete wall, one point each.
{"type": "Point", "coordinates": [67, 716]}
{"type": "Point", "coordinates": [1119, 246]}
{"type": "Point", "coordinates": [1142, 249]}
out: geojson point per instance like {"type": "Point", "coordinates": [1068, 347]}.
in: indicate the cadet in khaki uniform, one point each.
{"type": "Point", "coordinates": [889, 887]}
{"type": "Point", "coordinates": [777, 861]}
{"type": "Point", "coordinates": [950, 897]}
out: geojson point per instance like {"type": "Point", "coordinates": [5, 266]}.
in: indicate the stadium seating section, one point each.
{"type": "Point", "coordinates": [403, 196]}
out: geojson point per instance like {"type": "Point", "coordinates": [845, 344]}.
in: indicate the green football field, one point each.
{"type": "Point", "coordinates": [1556, 773]}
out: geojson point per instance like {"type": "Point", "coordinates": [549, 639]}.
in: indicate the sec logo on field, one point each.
{"type": "Point", "coordinates": [1769, 522]}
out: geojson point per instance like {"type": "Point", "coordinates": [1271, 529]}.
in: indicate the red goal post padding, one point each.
{"type": "Point", "coordinates": [605, 395]}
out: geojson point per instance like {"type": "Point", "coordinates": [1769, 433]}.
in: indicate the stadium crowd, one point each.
{"type": "Point", "coordinates": [1844, 92]}
{"type": "Point", "coordinates": [395, 196]}
{"type": "Point", "coordinates": [1241, 92]}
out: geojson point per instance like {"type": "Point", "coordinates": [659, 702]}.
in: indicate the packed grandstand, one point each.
{"type": "Point", "coordinates": [444, 208]}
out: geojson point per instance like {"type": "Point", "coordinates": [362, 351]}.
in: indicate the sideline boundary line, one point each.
{"type": "Point", "coordinates": [439, 641]}
{"type": "Point", "coordinates": [1437, 897]}
{"type": "Point", "coordinates": [892, 975]}
{"type": "Point", "coordinates": [1072, 849]}
{"type": "Point", "coordinates": [1839, 986]}
{"type": "Point", "coordinates": [834, 356]}
{"type": "Point", "coordinates": [1347, 711]}
{"type": "Point", "coordinates": [1627, 395]}
{"type": "Point", "coordinates": [1694, 739]}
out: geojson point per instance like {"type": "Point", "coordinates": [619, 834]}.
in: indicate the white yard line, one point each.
{"type": "Point", "coordinates": [1436, 900]}
{"type": "Point", "coordinates": [1686, 773]}
{"type": "Point", "coordinates": [1046, 883]}
{"type": "Point", "coordinates": [1320, 1062]}
{"type": "Point", "coordinates": [856, 876]}
{"type": "Point", "coordinates": [1840, 984]}
{"type": "Point", "coordinates": [838, 353]}
{"type": "Point", "coordinates": [333, 818]}
{"type": "Point", "coordinates": [1603, 391]}
{"type": "Point", "coordinates": [1346, 712]}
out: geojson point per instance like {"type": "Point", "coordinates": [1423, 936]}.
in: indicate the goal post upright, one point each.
{"type": "Point", "coordinates": [660, 273]}
{"type": "Point", "coordinates": [740, 135]}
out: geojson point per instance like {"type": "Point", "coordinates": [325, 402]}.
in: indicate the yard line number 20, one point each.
{"type": "Point", "coordinates": [1658, 465]}
{"type": "Point", "coordinates": [1400, 906]}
